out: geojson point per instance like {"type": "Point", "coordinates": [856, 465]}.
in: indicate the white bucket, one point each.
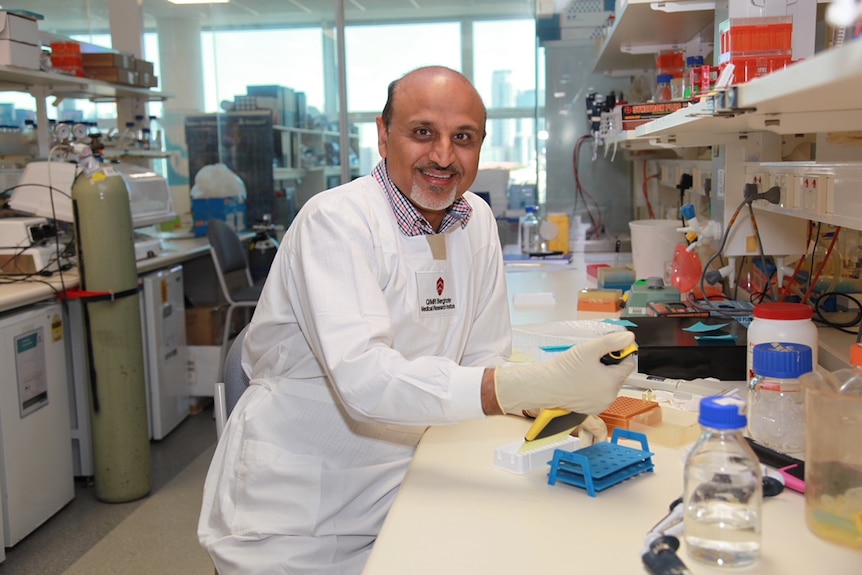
{"type": "Point", "coordinates": [653, 244]}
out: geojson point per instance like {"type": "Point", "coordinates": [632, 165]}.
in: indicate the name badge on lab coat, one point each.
{"type": "Point", "coordinates": [436, 293]}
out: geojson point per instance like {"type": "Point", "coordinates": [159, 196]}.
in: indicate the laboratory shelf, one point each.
{"type": "Point", "coordinates": [25, 80]}
{"type": "Point", "coordinates": [642, 28]}
{"type": "Point", "coordinates": [819, 94]}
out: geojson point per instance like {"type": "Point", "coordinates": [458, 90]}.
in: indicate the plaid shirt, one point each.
{"type": "Point", "coordinates": [411, 222]}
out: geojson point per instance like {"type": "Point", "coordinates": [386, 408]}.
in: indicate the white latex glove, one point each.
{"type": "Point", "coordinates": [576, 380]}
{"type": "Point", "coordinates": [592, 430]}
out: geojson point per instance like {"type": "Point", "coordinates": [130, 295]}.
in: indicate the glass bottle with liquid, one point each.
{"type": "Point", "coordinates": [723, 491]}
{"type": "Point", "coordinates": [528, 232]}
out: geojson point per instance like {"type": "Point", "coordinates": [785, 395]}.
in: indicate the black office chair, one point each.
{"type": "Point", "coordinates": [234, 276]}
{"type": "Point", "coordinates": [235, 381]}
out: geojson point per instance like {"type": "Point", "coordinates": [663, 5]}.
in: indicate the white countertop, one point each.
{"type": "Point", "coordinates": [16, 294]}
{"type": "Point", "coordinates": [458, 514]}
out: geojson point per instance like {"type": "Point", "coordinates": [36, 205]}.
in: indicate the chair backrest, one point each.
{"type": "Point", "coordinates": [227, 247]}
{"type": "Point", "coordinates": [235, 379]}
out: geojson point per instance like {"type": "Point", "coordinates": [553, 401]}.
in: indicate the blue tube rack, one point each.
{"type": "Point", "coordinates": [602, 465]}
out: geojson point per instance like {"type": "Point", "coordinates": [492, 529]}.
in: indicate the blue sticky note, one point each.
{"type": "Point", "coordinates": [717, 337]}
{"type": "Point", "coordinates": [701, 327]}
{"type": "Point", "coordinates": [623, 322]}
{"type": "Point", "coordinates": [555, 348]}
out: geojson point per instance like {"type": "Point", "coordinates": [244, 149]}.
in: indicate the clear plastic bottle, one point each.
{"type": "Point", "coordinates": [776, 397]}
{"type": "Point", "coordinates": [129, 137]}
{"type": "Point", "coordinates": [140, 124]}
{"type": "Point", "coordinates": [663, 92]}
{"type": "Point", "coordinates": [833, 452]}
{"type": "Point", "coordinates": [723, 493]}
{"type": "Point", "coordinates": [157, 134]}
{"type": "Point", "coordinates": [528, 232]}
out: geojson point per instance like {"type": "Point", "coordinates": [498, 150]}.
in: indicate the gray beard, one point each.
{"type": "Point", "coordinates": [431, 201]}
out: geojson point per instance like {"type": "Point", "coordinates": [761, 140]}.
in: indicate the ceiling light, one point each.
{"type": "Point", "coordinates": [198, 1]}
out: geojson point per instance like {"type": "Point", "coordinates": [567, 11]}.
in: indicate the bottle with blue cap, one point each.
{"type": "Point", "coordinates": [776, 396]}
{"type": "Point", "coordinates": [723, 491]}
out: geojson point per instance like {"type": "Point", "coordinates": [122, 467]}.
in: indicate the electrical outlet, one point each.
{"type": "Point", "coordinates": [761, 179]}
{"type": "Point", "coordinates": [785, 184]}
{"type": "Point", "coordinates": [664, 174]}
{"type": "Point", "coordinates": [812, 190]}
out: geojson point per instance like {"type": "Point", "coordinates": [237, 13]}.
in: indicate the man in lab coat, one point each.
{"type": "Point", "coordinates": [385, 311]}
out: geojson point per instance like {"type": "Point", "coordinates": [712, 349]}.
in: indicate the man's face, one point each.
{"type": "Point", "coordinates": [432, 146]}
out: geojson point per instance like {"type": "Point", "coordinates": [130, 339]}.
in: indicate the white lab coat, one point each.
{"type": "Point", "coordinates": [352, 353]}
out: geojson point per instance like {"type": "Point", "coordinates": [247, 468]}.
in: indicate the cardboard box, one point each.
{"type": "Point", "coordinates": [19, 54]}
{"type": "Point", "coordinates": [108, 60]}
{"type": "Point", "coordinates": [205, 325]}
{"type": "Point", "coordinates": [144, 66]}
{"type": "Point", "coordinates": [230, 210]}
{"type": "Point", "coordinates": [146, 80]}
{"type": "Point", "coordinates": [634, 115]}
{"type": "Point", "coordinates": [112, 75]}
{"type": "Point", "coordinates": [19, 28]}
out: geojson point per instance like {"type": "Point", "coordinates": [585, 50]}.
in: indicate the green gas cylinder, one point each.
{"type": "Point", "coordinates": [118, 401]}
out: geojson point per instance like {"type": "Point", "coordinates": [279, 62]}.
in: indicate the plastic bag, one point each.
{"type": "Point", "coordinates": [217, 181]}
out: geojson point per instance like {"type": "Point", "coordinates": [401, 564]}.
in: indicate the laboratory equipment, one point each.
{"type": "Point", "coordinates": [833, 452]}
{"type": "Point", "coordinates": [45, 189]}
{"type": "Point", "coordinates": [551, 425]}
{"type": "Point", "coordinates": [30, 245]}
{"type": "Point", "coordinates": [780, 321]}
{"type": "Point", "coordinates": [653, 244]}
{"type": "Point", "coordinates": [691, 348]}
{"type": "Point", "coordinates": [36, 476]}
{"type": "Point", "coordinates": [164, 335]}
{"type": "Point", "coordinates": [723, 491]}
{"type": "Point", "coordinates": [109, 278]}
{"type": "Point", "coordinates": [602, 465]}
{"type": "Point", "coordinates": [627, 410]}
{"type": "Point", "coordinates": [776, 398]}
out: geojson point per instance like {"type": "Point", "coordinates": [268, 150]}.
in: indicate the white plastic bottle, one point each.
{"type": "Point", "coordinates": [156, 133]}
{"type": "Point", "coordinates": [528, 232]}
{"type": "Point", "coordinates": [723, 493]}
{"type": "Point", "coordinates": [781, 321]}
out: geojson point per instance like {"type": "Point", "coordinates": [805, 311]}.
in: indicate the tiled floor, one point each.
{"type": "Point", "coordinates": [64, 538]}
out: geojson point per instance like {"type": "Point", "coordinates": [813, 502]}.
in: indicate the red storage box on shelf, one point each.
{"type": "Point", "coordinates": [756, 46]}
{"type": "Point", "coordinates": [66, 56]}
{"type": "Point", "coordinates": [670, 62]}
{"type": "Point", "coordinates": [749, 36]}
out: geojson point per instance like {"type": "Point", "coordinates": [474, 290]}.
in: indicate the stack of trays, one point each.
{"type": "Point", "coordinates": [603, 465]}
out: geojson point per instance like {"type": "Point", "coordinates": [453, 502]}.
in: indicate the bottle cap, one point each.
{"type": "Point", "coordinates": [781, 360]}
{"type": "Point", "coordinates": [530, 209]}
{"type": "Point", "coordinates": [722, 412]}
{"type": "Point", "coordinates": [664, 78]}
{"type": "Point", "coordinates": [782, 310]}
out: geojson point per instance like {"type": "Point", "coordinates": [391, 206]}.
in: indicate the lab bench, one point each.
{"type": "Point", "coordinates": [458, 513]}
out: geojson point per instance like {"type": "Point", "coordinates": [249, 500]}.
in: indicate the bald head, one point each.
{"type": "Point", "coordinates": [426, 74]}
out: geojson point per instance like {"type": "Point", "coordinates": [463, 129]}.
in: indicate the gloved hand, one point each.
{"type": "Point", "coordinates": [592, 430]}
{"type": "Point", "coordinates": [576, 380]}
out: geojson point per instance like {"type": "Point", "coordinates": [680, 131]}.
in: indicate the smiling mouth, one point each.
{"type": "Point", "coordinates": [436, 176]}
